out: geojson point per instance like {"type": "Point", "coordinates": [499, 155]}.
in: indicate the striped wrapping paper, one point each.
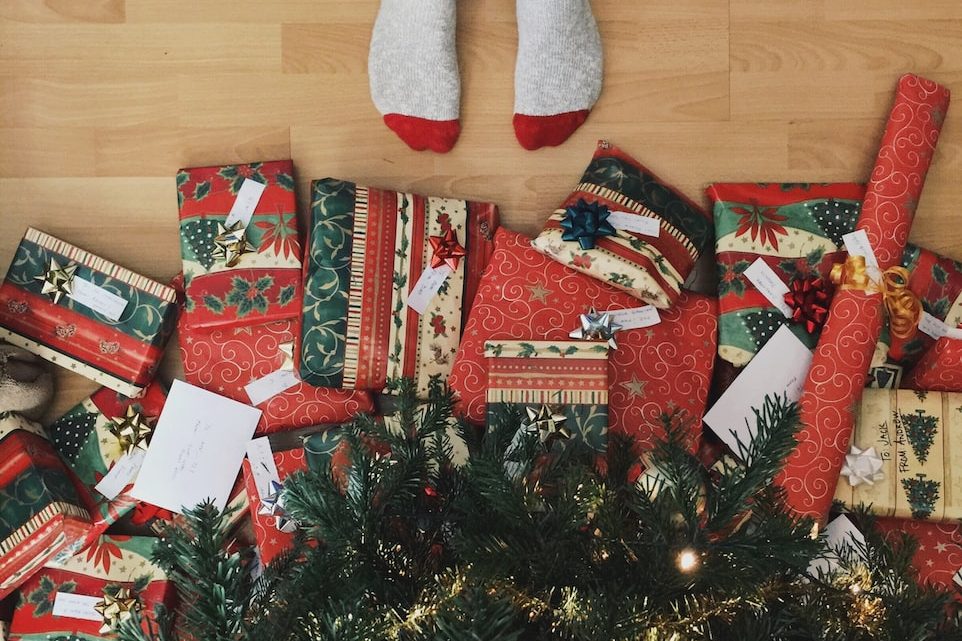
{"type": "Point", "coordinates": [652, 268]}
{"type": "Point", "coordinates": [120, 354]}
{"type": "Point", "coordinates": [368, 248]}
{"type": "Point", "coordinates": [41, 509]}
{"type": "Point", "coordinates": [567, 376]}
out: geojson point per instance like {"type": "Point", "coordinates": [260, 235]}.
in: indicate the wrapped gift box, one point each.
{"type": "Point", "coordinates": [369, 249]}
{"type": "Point", "coordinates": [903, 454]}
{"type": "Point", "coordinates": [940, 368]}
{"type": "Point", "coordinates": [937, 281]}
{"type": "Point", "coordinates": [76, 586]}
{"type": "Point", "coordinates": [938, 558]}
{"type": "Point", "coordinates": [310, 448]}
{"type": "Point", "coordinates": [97, 433]}
{"type": "Point", "coordinates": [655, 370]}
{"type": "Point", "coordinates": [227, 360]}
{"type": "Point", "coordinates": [561, 386]}
{"type": "Point", "coordinates": [625, 226]}
{"type": "Point", "coordinates": [41, 509]}
{"type": "Point", "coordinates": [86, 314]}
{"type": "Point", "coordinates": [244, 272]}
{"type": "Point", "coordinates": [796, 229]}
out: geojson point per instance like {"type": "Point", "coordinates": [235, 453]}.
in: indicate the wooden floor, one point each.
{"type": "Point", "coordinates": [101, 101]}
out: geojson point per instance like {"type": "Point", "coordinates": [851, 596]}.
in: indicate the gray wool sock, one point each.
{"type": "Point", "coordinates": [413, 63]}
{"type": "Point", "coordinates": [560, 61]}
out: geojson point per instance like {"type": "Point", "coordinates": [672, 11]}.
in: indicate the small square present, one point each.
{"type": "Point", "coordinates": [41, 509]}
{"type": "Point", "coordinates": [388, 282]}
{"type": "Point", "coordinates": [562, 387]}
{"type": "Point", "coordinates": [240, 244]}
{"type": "Point", "coordinates": [96, 435]}
{"type": "Point", "coordinates": [796, 230]}
{"type": "Point", "coordinates": [85, 314]}
{"type": "Point", "coordinates": [902, 457]}
{"type": "Point", "coordinates": [271, 459]}
{"type": "Point", "coordinates": [88, 595]}
{"type": "Point", "coordinates": [625, 226]}
{"type": "Point", "coordinates": [660, 367]}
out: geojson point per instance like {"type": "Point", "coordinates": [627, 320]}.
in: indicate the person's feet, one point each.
{"type": "Point", "coordinates": [559, 70]}
{"type": "Point", "coordinates": [413, 69]}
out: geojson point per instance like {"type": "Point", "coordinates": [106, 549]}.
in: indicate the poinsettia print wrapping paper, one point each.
{"type": "Point", "coordinates": [264, 284]}
{"type": "Point", "coordinates": [797, 230]}
{"type": "Point", "coordinates": [111, 562]}
{"type": "Point", "coordinates": [625, 226]}
{"type": "Point", "coordinates": [939, 554]}
{"type": "Point", "coordinates": [655, 370]}
{"type": "Point", "coordinates": [42, 509]}
{"type": "Point", "coordinates": [842, 359]}
{"type": "Point", "coordinates": [368, 251]}
{"type": "Point", "coordinates": [91, 439]}
{"type": "Point", "coordinates": [38, 312]}
{"type": "Point", "coordinates": [937, 281]}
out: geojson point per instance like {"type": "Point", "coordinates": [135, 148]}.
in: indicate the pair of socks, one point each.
{"type": "Point", "coordinates": [416, 86]}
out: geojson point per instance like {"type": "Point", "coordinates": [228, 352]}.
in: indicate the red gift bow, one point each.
{"type": "Point", "coordinates": [447, 250]}
{"type": "Point", "coordinates": [809, 299]}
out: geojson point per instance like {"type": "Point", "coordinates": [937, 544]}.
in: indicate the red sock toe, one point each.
{"type": "Point", "coordinates": [534, 132]}
{"type": "Point", "coordinates": [421, 133]}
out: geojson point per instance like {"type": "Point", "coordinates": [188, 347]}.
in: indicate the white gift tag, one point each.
{"type": "Point", "coordinates": [857, 244]}
{"type": "Point", "coordinates": [262, 463]}
{"type": "Point", "coordinates": [628, 221]}
{"type": "Point", "coordinates": [935, 328]}
{"type": "Point", "coordinates": [76, 606]}
{"type": "Point", "coordinates": [427, 287]}
{"type": "Point", "coordinates": [769, 284]}
{"type": "Point", "coordinates": [636, 317]}
{"type": "Point", "coordinates": [244, 205]}
{"type": "Point", "coordinates": [98, 299]}
{"type": "Point", "coordinates": [271, 385]}
{"type": "Point", "coordinates": [121, 474]}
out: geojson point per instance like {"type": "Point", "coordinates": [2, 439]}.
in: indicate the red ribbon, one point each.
{"type": "Point", "coordinates": [447, 250]}
{"type": "Point", "coordinates": [809, 299]}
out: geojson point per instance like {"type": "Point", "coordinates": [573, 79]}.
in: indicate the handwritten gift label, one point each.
{"type": "Point", "coordinates": [197, 449]}
{"type": "Point", "coordinates": [76, 606]}
{"type": "Point", "coordinates": [105, 303]}
{"type": "Point", "coordinates": [271, 385]}
{"type": "Point", "coordinates": [636, 317]}
{"type": "Point", "coordinates": [935, 328]}
{"type": "Point", "coordinates": [123, 472]}
{"type": "Point", "coordinates": [427, 287]}
{"type": "Point", "coordinates": [244, 205]}
{"type": "Point", "coordinates": [769, 284]}
{"type": "Point", "coordinates": [637, 223]}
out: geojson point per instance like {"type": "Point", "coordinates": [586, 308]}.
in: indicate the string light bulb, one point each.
{"type": "Point", "coordinates": [687, 560]}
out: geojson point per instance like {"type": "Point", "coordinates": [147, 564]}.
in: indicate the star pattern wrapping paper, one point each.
{"type": "Point", "coordinates": [939, 554]}
{"type": "Point", "coordinates": [844, 354]}
{"type": "Point", "coordinates": [524, 295]}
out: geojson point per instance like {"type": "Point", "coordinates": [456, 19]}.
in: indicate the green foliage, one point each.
{"type": "Point", "coordinates": [525, 544]}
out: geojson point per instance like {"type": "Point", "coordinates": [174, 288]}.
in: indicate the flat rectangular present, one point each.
{"type": "Point", "coordinates": [97, 438]}
{"type": "Point", "coordinates": [85, 313]}
{"type": "Point", "coordinates": [41, 509]}
{"type": "Point", "coordinates": [796, 230]}
{"type": "Point", "coordinates": [561, 386]}
{"type": "Point", "coordinates": [659, 368]}
{"type": "Point", "coordinates": [240, 244]}
{"type": "Point", "coordinates": [905, 454]}
{"type": "Point", "coordinates": [388, 282]}
{"type": "Point", "coordinates": [625, 226]}
{"type": "Point", "coordinates": [62, 601]}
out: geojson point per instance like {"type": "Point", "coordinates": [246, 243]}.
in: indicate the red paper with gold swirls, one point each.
{"type": "Point", "coordinates": [939, 555]}
{"type": "Point", "coordinates": [524, 295]}
{"type": "Point", "coordinates": [844, 353]}
{"type": "Point", "coordinates": [940, 369]}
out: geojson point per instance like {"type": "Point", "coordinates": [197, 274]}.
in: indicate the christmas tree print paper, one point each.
{"type": "Point", "coordinates": [110, 563]}
{"type": "Point", "coordinates": [369, 249]}
{"type": "Point", "coordinates": [918, 437]}
{"type": "Point", "coordinates": [264, 282]}
{"type": "Point", "coordinates": [626, 227]}
{"type": "Point", "coordinates": [797, 230]}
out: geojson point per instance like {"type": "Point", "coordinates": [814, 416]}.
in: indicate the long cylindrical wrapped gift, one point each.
{"type": "Point", "coordinates": [844, 353]}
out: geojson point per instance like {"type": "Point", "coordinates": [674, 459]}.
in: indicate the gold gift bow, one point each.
{"type": "Point", "coordinates": [902, 305]}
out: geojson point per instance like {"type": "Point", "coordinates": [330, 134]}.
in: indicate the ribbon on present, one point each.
{"type": "Point", "coordinates": [57, 280]}
{"type": "Point", "coordinates": [549, 424]}
{"type": "Point", "coordinates": [903, 307]}
{"type": "Point", "coordinates": [597, 326]}
{"type": "Point", "coordinates": [231, 243]}
{"type": "Point", "coordinates": [585, 222]}
{"type": "Point", "coordinates": [116, 608]}
{"type": "Point", "coordinates": [447, 250]}
{"type": "Point", "coordinates": [862, 467]}
{"type": "Point", "coordinates": [808, 298]}
{"type": "Point", "coordinates": [132, 430]}
{"type": "Point", "coordinates": [273, 505]}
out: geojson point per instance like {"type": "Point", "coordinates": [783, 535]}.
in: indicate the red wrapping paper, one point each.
{"type": "Point", "coordinates": [840, 366]}
{"type": "Point", "coordinates": [939, 554]}
{"type": "Point", "coordinates": [940, 369]}
{"type": "Point", "coordinates": [524, 295]}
